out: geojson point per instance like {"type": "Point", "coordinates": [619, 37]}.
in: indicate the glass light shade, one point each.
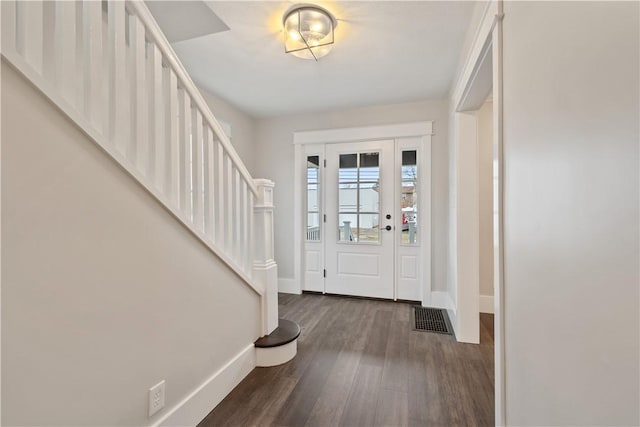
{"type": "Point", "coordinates": [308, 32]}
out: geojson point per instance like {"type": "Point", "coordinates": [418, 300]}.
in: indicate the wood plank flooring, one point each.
{"type": "Point", "coordinates": [359, 363]}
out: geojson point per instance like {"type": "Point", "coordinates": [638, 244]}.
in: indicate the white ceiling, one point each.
{"type": "Point", "coordinates": [385, 52]}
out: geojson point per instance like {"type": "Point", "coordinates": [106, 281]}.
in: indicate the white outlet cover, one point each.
{"type": "Point", "coordinates": [156, 398]}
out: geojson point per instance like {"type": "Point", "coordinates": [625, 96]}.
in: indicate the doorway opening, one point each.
{"type": "Point", "coordinates": [366, 211]}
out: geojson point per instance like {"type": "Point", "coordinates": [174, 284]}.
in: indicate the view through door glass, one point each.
{"type": "Point", "coordinates": [409, 198]}
{"type": "Point", "coordinates": [359, 198]}
{"type": "Point", "coordinates": [313, 199]}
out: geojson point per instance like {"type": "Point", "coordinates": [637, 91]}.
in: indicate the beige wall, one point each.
{"type": "Point", "coordinates": [571, 220]}
{"type": "Point", "coordinates": [242, 128]}
{"type": "Point", "coordinates": [485, 196]}
{"type": "Point", "coordinates": [104, 293]}
{"type": "Point", "coordinates": [274, 147]}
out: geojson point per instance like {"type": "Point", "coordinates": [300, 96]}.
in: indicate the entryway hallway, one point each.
{"type": "Point", "coordinates": [359, 363]}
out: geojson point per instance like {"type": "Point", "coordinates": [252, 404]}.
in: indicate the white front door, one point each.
{"type": "Point", "coordinates": [360, 219]}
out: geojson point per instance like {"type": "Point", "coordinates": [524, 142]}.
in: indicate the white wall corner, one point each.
{"type": "Point", "coordinates": [486, 304]}
{"type": "Point", "coordinates": [288, 286]}
{"type": "Point", "coordinates": [195, 406]}
{"type": "Point", "coordinates": [442, 299]}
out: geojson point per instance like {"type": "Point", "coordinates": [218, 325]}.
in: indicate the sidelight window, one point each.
{"type": "Point", "coordinates": [409, 198]}
{"type": "Point", "coordinates": [313, 198]}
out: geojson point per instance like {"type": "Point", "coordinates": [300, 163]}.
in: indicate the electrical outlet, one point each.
{"type": "Point", "coordinates": [156, 398]}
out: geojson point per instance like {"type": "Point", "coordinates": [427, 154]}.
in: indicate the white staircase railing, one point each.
{"type": "Point", "coordinates": [108, 66]}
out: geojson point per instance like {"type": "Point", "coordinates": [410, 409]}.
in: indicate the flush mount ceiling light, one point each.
{"type": "Point", "coordinates": [308, 31]}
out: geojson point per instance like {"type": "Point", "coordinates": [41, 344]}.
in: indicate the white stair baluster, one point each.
{"type": "Point", "coordinates": [78, 76]}
{"type": "Point", "coordinates": [184, 114]}
{"type": "Point", "coordinates": [238, 217]}
{"type": "Point", "coordinates": [65, 57]}
{"type": "Point", "coordinates": [119, 103]}
{"type": "Point", "coordinates": [157, 142]}
{"type": "Point", "coordinates": [237, 240]}
{"type": "Point", "coordinates": [219, 200]}
{"type": "Point", "coordinates": [244, 211]}
{"type": "Point", "coordinates": [228, 218]}
{"type": "Point", "coordinates": [139, 105]}
{"type": "Point", "coordinates": [251, 237]}
{"type": "Point", "coordinates": [197, 169]}
{"type": "Point", "coordinates": [105, 85]}
{"type": "Point", "coordinates": [49, 44]}
{"type": "Point", "coordinates": [8, 25]}
{"type": "Point", "coordinates": [29, 36]}
{"type": "Point", "coordinates": [209, 184]}
{"type": "Point", "coordinates": [92, 35]}
{"type": "Point", "coordinates": [172, 178]}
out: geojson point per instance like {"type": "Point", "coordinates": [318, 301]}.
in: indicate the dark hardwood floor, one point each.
{"type": "Point", "coordinates": [359, 363]}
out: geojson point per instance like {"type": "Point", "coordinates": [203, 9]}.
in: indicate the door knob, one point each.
{"type": "Point", "coordinates": [388, 216]}
{"type": "Point", "coordinates": [388, 228]}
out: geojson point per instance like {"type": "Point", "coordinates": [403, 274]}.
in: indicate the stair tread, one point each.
{"type": "Point", "coordinates": [286, 332]}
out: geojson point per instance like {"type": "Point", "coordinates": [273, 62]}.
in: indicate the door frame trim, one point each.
{"type": "Point", "coordinates": [489, 38]}
{"type": "Point", "coordinates": [365, 133]}
{"type": "Point", "coordinates": [344, 135]}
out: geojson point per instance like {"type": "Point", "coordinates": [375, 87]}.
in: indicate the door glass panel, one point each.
{"type": "Point", "coordinates": [313, 227]}
{"type": "Point", "coordinates": [369, 197]}
{"type": "Point", "coordinates": [369, 167]}
{"type": "Point", "coordinates": [348, 171]}
{"type": "Point", "coordinates": [369, 160]}
{"type": "Point", "coordinates": [313, 198]}
{"type": "Point", "coordinates": [348, 197]}
{"type": "Point", "coordinates": [409, 198]}
{"type": "Point", "coordinates": [368, 228]}
{"type": "Point", "coordinates": [359, 197]}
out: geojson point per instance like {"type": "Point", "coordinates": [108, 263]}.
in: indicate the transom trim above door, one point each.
{"type": "Point", "coordinates": [366, 133]}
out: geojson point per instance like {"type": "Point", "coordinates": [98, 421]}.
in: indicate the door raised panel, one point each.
{"type": "Point", "coordinates": [359, 264]}
{"type": "Point", "coordinates": [313, 261]}
{"type": "Point", "coordinates": [408, 267]}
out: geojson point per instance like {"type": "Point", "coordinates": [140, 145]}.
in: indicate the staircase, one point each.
{"type": "Point", "coordinates": [109, 68]}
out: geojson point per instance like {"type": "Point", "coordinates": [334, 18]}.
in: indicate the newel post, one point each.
{"type": "Point", "coordinates": [265, 269]}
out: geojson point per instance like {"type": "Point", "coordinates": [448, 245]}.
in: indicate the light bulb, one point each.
{"type": "Point", "coordinates": [293, 35]}
{"type": "Point", "coordinates": [316, 26]}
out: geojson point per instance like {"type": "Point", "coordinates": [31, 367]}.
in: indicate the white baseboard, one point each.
{"type": "Point", "coordinates": [288, 286]}
{"type": "Point", "coordinates": [442, 299]}
{"type": "Point", "coordinates": [486, 304]}
{"type": "Point", "coordinates": [193, 408]}
{"type": "Point", "coordinates": [453, 319]}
